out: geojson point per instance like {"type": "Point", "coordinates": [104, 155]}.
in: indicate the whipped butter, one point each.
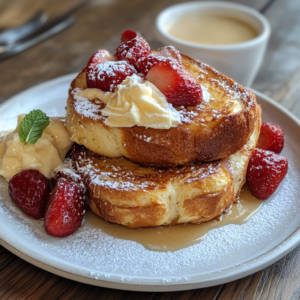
{"type": "Point", "coordinates": [45, 155]}
{"type": "Point", "coordinates": [135, 102]}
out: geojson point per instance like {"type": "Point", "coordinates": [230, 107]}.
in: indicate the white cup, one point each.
{"type": "Point", "coordinates": [239, 61]}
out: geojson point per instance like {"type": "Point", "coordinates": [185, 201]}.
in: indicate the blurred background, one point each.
{"type": "Point", "coordinates": [99, 24]}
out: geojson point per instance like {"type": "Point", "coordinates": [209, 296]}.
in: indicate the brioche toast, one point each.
{"type": "Point", "coordinates": [135, 196]}
{"type": "Point", "coordinates": [214, 129]}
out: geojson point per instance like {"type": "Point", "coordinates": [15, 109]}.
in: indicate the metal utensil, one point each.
{"type": "Point", "coordinates": [12, 35]}
{"type": "Point", "coordinates": [12, 49]}
{"type": "Point", "coordinates": [50, 28]}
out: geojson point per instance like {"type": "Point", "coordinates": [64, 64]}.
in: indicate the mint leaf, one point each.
{"type": "Point", "coordinates": [32, 126]}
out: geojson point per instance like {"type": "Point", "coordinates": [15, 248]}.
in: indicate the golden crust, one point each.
{"type": "Point", "coordinates": [135, 196]}
{"type": "Point", "coordinates": [213, 130]}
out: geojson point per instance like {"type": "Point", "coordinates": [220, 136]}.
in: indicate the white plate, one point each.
{"type": "Point", "coordinates": [93, 257]}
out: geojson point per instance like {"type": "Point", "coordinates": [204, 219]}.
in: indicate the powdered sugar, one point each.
{"type": "Point", "coordinates": [87, 108]}
{"type": "Point", "coordinates": [211, 169]}
{"type": "Point", "coordinates": [94, 254]}
{"type": "Point", "coordinates": [132, 47]}
{"type": "Point", "coordinates": [187, 116]}
{"type": "Point", "coordinates": [147, 62]}
{"type": "Point", "coordinates": [108, 258]}
{"type": "Point", "coordinates": [235, 90]}
{"type": "Point", "coordinates": [110, 73]}
{"type": "Point", "coordinates": [205, 94]}
{"type": "Point", "coordinates": [144, 137]}
{"type": "Point", "coordinates": [66, 170]}
{"type": "Point", "coordinates": [118, 178]}
{"type": "Point", "coordinates": [93, 109]}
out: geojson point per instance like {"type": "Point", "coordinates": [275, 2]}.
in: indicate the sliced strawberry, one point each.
{"type": "Point", "coordinates": [29, 190]}
{"type": "Point", "coordinates": [106, 76]}
{"type": "Point", "coordinates": [169, 51]}
{"type": "Point", "coordinates": [270, 138]}
{"type": "Point", "coordinates": [265, 172]}
{"type": "Point", "coordinates": [144, 64]}
{"type": "Point", "coordinates": [132, 47]}
{"type": "Point", "coordinates": [65, 208]}
{"type": "Point", "coordinates": [175, 82]}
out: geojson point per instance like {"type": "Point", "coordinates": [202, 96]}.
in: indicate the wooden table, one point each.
{"type": "Point", "coordinates": [99, 25]}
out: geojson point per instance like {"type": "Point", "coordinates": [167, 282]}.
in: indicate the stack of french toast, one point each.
{"type": "Point", "coordinates": [141, 169]}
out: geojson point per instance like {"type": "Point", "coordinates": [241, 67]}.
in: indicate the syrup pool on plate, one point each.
{"type": "Point", "coordinates": [172, 238]}
{"type": "Point", "coordinates": [209, 29]}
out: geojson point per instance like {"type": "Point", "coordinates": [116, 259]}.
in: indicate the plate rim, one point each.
{"type": "Point", "coordinates": [153, 284]}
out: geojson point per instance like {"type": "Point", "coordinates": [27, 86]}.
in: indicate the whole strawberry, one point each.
{"type": "Point", "coordinates": [132, 47]}
{"type": "Point", "coordinates": [65, 208]}
{"type": "Point", "coordinates": [106, 76]}
{"type": "Point", "coordinates": [100, 57]}
{"type": "Point", "coordinates": [270, 138]}
{"type": "Point", "coordinates": [265, 172]}
{"type": "Point", "coordinates": [29, 190]}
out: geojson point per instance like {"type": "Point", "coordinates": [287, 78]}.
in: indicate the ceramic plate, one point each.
{"type": "Point", "coordinates": [93, 257]}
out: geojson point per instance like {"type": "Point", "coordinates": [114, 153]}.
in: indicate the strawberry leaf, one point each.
{"type": "Point", "coordinates": [32, 126]}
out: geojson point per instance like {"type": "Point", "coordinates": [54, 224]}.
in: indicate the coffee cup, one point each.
{"type": "Point", "coordinates": [240, 60]}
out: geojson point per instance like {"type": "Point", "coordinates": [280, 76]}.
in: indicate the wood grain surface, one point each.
{"type": "Point", "coordinates": [99, 25]}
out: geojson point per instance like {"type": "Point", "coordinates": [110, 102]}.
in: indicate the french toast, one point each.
{"type": "Point", "coordinates": [135, 196]}
{"type": "Point", "coordinates": [212, 130]}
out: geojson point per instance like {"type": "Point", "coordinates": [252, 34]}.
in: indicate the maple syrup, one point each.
{"type": "Point", "coordinates": [172, 238]}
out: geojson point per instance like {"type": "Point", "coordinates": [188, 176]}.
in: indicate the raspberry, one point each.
{"type": "Point", "coordinates": [106, 76]}
{"type": "Point", "coordinates": [65, 208]}
{"type": "Point", "coordinates": [29, 190]}
{"type": "Point", "coordinates": [265, 172]}
{"type": "Point", "coordinates": [132, 47]}
{"type": "Point", "coordinates": [270, 138]}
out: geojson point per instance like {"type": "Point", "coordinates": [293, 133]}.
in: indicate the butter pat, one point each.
{"type": "Point", "coordinates": [45, 155]}
{"type": "Point", "coordinates": [135, 102]}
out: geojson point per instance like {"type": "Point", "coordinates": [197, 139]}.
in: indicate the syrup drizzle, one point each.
{"type": "Point", "coordinates": [173, 238]}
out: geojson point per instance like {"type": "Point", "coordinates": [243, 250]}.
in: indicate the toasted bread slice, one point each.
{"type": "Point", "coordinates": [212, 130]}
{"type": "Point", "coordinates": [126, 193]}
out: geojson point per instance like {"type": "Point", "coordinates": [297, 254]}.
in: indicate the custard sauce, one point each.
{"type": "Point", "coordinates": [209, 29]}
{"type": "Point", "coordinates": [172, 238]}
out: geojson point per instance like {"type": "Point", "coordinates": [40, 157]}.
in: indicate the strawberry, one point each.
{"type": "Point", "coordinates": [100, 57]}
{"type": "Point", "coordinates": [29, 190]}
{"type": "Point", "coordinates": [270, 138]}
{"type": "Point", "coordinates": [167, 53]}
{"type": "Point", "coordinates": [144, 64]}
{"type": "Point", "coordinates": [265, 172]}
{"type": "Point", "coordinates": [106, 76]}
{"type": "Point", "coordinates": [175, 82]}
{"type": "Point", "coordinates": [132, 47]}
{"type": "Point", "coordinates": [65, 208]}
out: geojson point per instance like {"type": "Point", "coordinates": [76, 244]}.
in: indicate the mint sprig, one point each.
{"type": "Point", "coordinates": [32, 126]}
